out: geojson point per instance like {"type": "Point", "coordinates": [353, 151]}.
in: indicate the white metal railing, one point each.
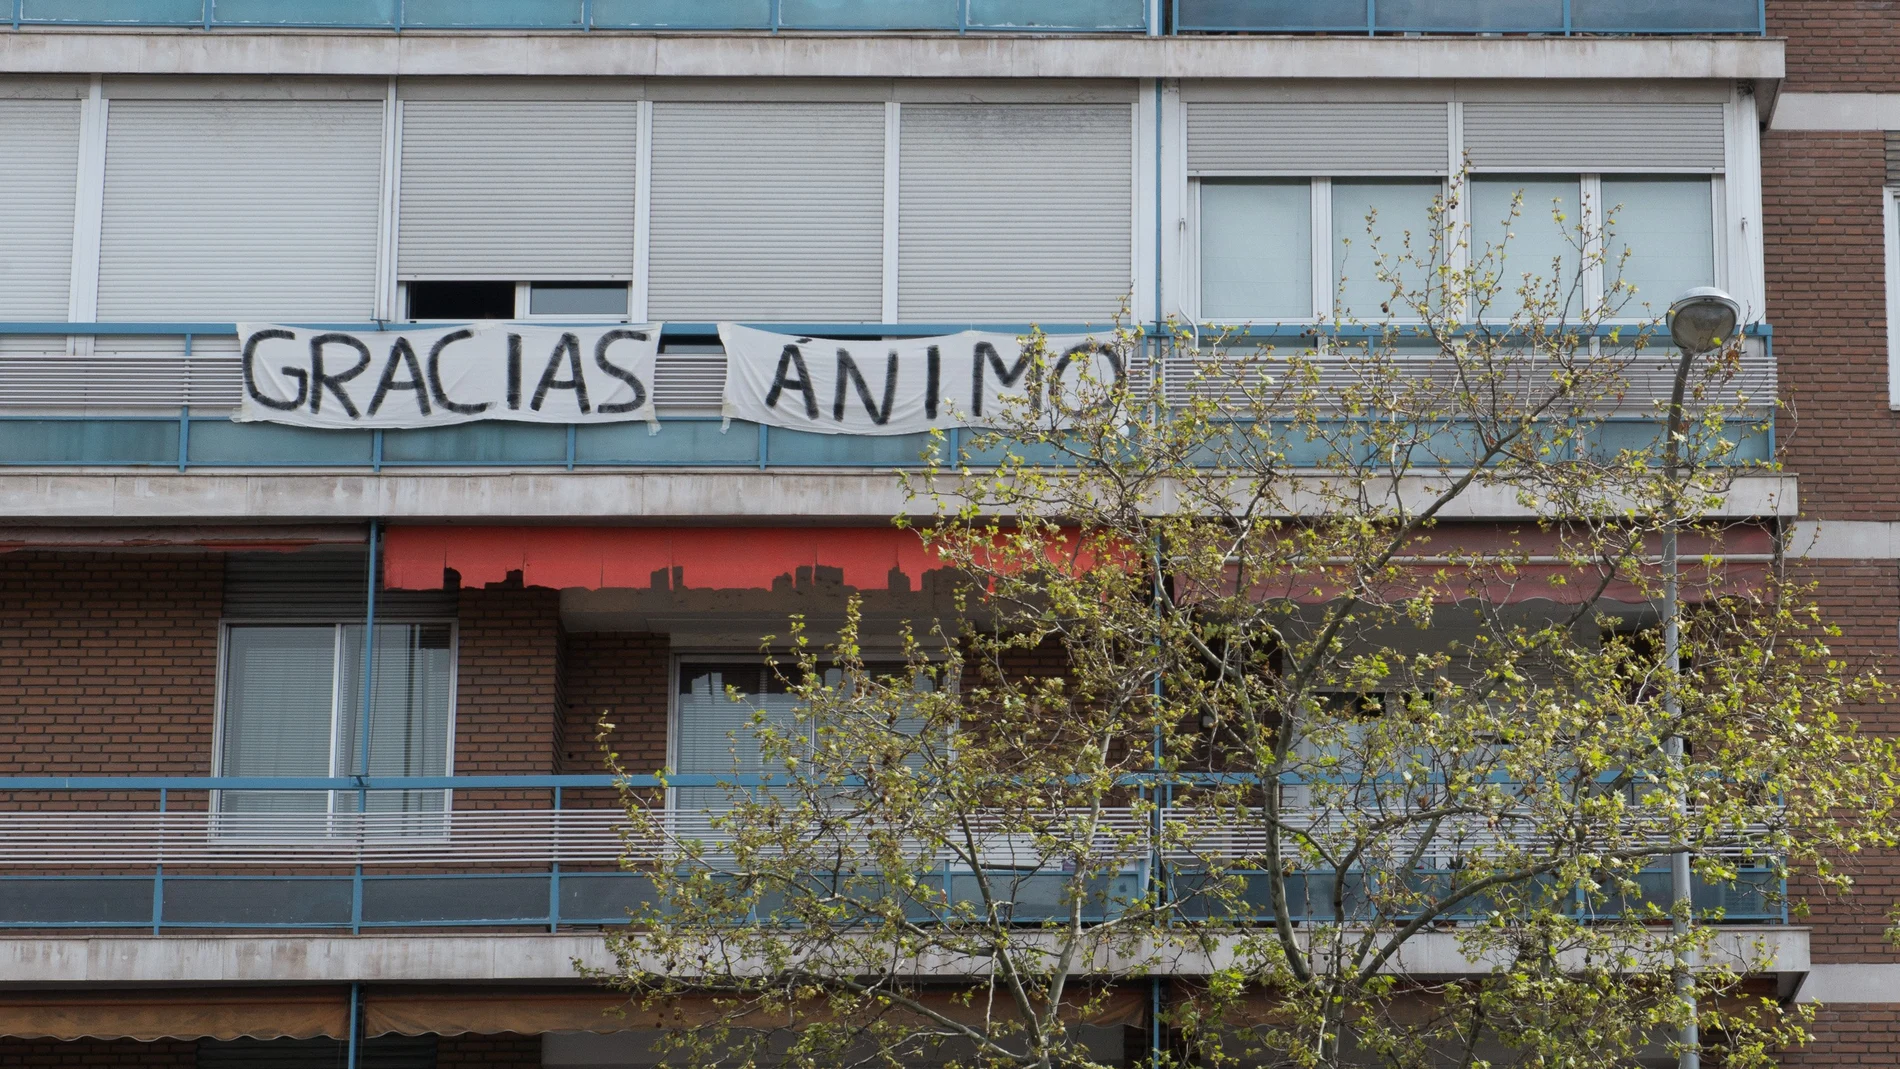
{"type": "Point", "coordinates": [42, 839]}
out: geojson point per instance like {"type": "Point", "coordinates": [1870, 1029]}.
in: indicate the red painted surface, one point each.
{"type": "Point", "coordinates": [705, 558]}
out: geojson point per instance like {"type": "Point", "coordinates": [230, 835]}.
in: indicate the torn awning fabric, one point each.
{"type": "Point", "coordinates": [644, 558]}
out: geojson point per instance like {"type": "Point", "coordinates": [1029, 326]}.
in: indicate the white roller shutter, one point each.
{"type": "Point", "coordinates": [227, 210]}
{"type": "Point", "coordinates": [1014, 212]}
{"type": "Point", "coordinates": [517, 189]}
{"type": "Point", "coordinates": [39, 167]}
{"type": "Point", "coordinates": [1317, 139]}
{"type": "Point", "coordinates": [767, 212]}
{"type": "Point", "coordinates": [1571, 138]}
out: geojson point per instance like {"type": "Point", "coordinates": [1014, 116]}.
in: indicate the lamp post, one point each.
{"type": "Point", "coordinates": [1700, 321]}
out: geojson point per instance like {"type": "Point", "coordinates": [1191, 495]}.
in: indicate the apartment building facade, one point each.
{"type": "Point", "coordinates": [186, 598]}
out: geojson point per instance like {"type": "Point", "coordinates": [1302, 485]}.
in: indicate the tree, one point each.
{"type": "Point", "coordinates": [1309, 724]}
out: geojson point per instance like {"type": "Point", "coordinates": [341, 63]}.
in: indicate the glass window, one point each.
{"type": "Point", "coordinates": [715, 734]}
{"type": "Point", "coordinates": [1540, 242]}
{"type": "Point", "coordinates": [461, 301]}
{"type": "Point", "coordinates": [1256, 251]}
{"type": "Point", "coordinates": [1373, 221]}
{"type": "Point", "coordinates": [607, 299]}
{"type": "Point", "coordinates": [293, 697]}
{"type": "Point", "coordinates": [1667, 226]}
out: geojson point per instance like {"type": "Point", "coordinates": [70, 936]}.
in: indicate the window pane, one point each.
{"type": "Point", "coordinates": [1256, 251]}
{"type": "Point", "coordinates": [578, 299]}
{"type": "Point", "coordinates": [1399, 210]}
{"type": "Point", "coordinates": [1668, 226]}
{"type": "Point", "coordinates": [1536, 243]}
{"type": "Point", "coordinates": [409, 717]}
{"type": "Point", "coordinates": [716, 736]}
{"type": "Point", "coordinates": [278, 683]}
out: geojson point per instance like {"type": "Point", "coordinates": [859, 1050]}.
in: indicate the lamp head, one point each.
{"type": "Point", "coordinates": [1703, 319]}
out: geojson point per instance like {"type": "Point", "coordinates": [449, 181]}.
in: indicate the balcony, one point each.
{"type": "Point", "coordinates": [1373, 17]}
{"type": "Point", "coordinates": [151, 396]}
{"type": "Point", "coordinates": [517, 852]}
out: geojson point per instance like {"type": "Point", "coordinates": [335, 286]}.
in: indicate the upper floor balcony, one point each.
{"type": "Point", "coordinates": [1369, 17]}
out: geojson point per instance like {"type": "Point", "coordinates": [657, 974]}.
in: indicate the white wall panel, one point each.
{"type": "Point", "coordinates": [767, 211]}
{"type": "Point", "coordinates": [1015, 212]}
{"type": "Point", "coordinates": [226, 210]}
{"type": "Point", "coordinates": [1579, 137]}
{"type": "Point", "coordinates": [39, 168]}
{"type": "Point", "coordinates": [1299, 138]}
{"type": "Point", "coordinates": [517, 189]}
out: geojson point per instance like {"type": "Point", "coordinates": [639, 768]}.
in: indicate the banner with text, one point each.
{"type": "Point", "coordinates": [344, 379]}
{"type": "Point", "coordinates": [836, 386]}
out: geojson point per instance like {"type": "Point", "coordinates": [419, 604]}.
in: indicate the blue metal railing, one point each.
{"type": "Point", "coordinates": [1548, 17]}
{"type": "Point", "coordinates": [184, 441]}
{"type": "Point", "coordinates": [1559, 17]}
{"type": "Point", "coordinates": [769, 16]}
{"type": "Point", "coordinates": [464, 894]}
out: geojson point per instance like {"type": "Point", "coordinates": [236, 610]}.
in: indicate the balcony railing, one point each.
{"type": "Point", "coordinates": [146, 387]}
{"type": "Point", "coordinates": [1555, 17]}
{"type": "Point", "coordinates": [518, 852]}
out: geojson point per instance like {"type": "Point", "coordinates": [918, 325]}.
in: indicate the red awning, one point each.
{"type": "Point", "coordinates": [704, 558]}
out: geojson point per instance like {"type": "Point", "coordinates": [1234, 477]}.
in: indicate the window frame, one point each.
{"type": "Point", "coordinates": [524, 297]}
{"type": "Point", "coordinates": [1590, 198]}
{"type": "Point", "coordinates": [220, 697]}
{"type": "Point", "coordinates": [1890, 233]}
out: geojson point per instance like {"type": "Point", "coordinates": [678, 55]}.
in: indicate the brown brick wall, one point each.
{"type": "Point", "coordinates": [1863, 598]}
{"type": "Point", "coordinates": [624, 675]}
{"type": "Point", "coordinates": [507, 703]}
{"type": "Point", "coordinates": [108, 663]}
{"type": "Point", "coordinates": [1839, 46]}
{"type": "Point", "coordinates": [1847, 1035]}
{"type": "Point", "coordinates": [1827, 300]}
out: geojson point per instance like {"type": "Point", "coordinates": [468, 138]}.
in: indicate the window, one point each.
{"type": "Point", "coordinates": [1264, 242]}
{"type": "Point", "coordinates": [1256, 251]}
{"type": "Point", "coordinates": [1373, 223]}
{"type": "Point", "coordinates": [461, 301]}
{"type": "Point", "coordinates": [714, 735]}
{"type": "Point", "coordinates": [293, 700]}
{"type": "Point", "coordinates": [1258, 260]}
{"type": "Point", "coordinates": [1542, 241]}
{"type": "Point", "coordinates": [1668, 227]}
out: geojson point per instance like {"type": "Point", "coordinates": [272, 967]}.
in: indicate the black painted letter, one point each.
{"type": "Point", "coordinates": [848, 371]}
{"type": "Point", "coordinates": [435, 376]}
{"type": "Point", "coordinates": [250, 376]}
{"type": "Point", "coordinates": [788, 359]}
{"type": "Point", "coordinates": [402, 353]}
{"type": "Point", "coordinates": [621, 373]}
{"type": "Point", "coordinates": [320, 382]}
{"type": "Point", "coordinates": [570, 347]}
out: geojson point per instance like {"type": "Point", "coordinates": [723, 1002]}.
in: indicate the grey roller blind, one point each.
{"type": "Point", "coordinates": [1573, 137]}
{"type": "Point", "coordinates": [1014, 212]}
{"type": "Point", "coordinates": [517, 189]}
{"type": "Point", "coordinates": [1893, 159]}
{"type": "Point", "coordinates": [39, 166]}
{"type": "Point", "coordinates": [1317, 139]}
{"type": "Point", "coordinates": [767, 212]}
{"type": "Point", "coordinates": [224, 210]}
{"type": "Point", "coordinates": [318, 585]}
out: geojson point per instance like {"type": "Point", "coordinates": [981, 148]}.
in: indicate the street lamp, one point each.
{"type": "Point", "coordinates": [1700, 321]}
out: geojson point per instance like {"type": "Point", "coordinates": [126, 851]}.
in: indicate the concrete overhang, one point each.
{"type": "Point", "coordinates": [820, 497]}
{"type": "Point", "coordinates": [37, 961]}
{"type": "Point", "coordinates": [632, 55]}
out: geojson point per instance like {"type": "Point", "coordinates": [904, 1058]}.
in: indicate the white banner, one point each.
{"type": "Point", "coordinates": [437, 377]}
{"type": "Point", "coordinates": [835, 386]}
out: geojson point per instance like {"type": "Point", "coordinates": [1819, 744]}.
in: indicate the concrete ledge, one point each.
{"type": "Point", "coordinates": [614, 54]}
{"type": "Point", "coordinates": [42, 960]}
{"type": "Point", "coordinates": [1873, 983]}
{"type": "Point", "coordinates": [1844, 540]}
{"type": "Point", "coordinates": [1837, 111]}
{"type": "Point", "coordinates": [828, 497]}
